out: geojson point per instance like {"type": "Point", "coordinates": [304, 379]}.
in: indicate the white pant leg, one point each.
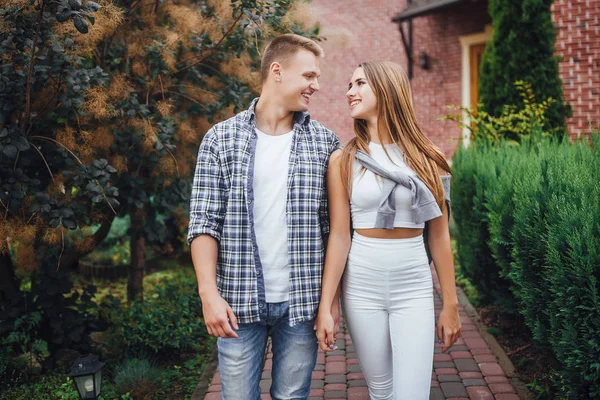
{"type": "Point", "coordinates": [412, 332]}
{"type": "Point", "coordinates": [370, 334]}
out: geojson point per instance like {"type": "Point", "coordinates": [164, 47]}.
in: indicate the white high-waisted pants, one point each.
{"type": "Point", "coordinates": [388, 306]}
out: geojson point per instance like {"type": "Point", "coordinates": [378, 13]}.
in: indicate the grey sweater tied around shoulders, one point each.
{"type": "Point", "coordinates": [423, 205]}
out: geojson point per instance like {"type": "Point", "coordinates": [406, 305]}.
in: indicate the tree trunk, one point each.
{"type": "Point", "coordinates": [135, 282]}
{"type": "Point", "coordinates": [9, 285]}
{"type": "Point", "coordinates": [69, 260]}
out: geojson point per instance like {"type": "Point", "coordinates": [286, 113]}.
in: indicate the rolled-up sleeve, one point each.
{"type": "Point", "coordinates": [209, 191]}
{"type": "Point", "coordinates": [324, 206]}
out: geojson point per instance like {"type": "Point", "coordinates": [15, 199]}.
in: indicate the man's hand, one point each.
{"type": "Point", "coordinates": [218, 316]}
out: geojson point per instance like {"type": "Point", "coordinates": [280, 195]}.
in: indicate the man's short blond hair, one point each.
{"type": "Point", "coordinates": [283, 47]}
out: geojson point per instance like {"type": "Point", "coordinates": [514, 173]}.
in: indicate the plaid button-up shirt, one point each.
{"type": "Point", "coordinates": [222, 206]}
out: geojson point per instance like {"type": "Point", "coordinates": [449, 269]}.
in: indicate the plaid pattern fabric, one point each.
{"type": "Point", "coordinates": [222, 206]}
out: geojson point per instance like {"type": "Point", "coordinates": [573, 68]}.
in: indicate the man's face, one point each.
{"type": "Point", "coordinates": [299, 80]}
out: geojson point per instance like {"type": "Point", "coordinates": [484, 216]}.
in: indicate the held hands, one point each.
{"type": "Point", "coordinates": [219, 317]}
{"type": "Point", "coordinates": [326, 330]}
{"type": "Point", "coordinates": [449, 327]}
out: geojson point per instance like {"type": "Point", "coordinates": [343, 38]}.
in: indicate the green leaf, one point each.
{"type": "Point", "coordinates": [81, 24]}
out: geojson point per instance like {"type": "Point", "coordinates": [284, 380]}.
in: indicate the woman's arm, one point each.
{"type": "Point", "coordinates": [449, 325]}
{"type": "Point", "coordinates": [338, 246]}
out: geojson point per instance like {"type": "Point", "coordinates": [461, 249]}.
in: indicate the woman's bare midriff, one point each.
{"type": "Point", "coordinates": [396, 233]}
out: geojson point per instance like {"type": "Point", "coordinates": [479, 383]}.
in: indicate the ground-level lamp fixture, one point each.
{"type": "Point", "coordinates": [86, 373]}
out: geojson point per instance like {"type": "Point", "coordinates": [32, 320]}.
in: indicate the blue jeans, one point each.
{"type": "Point", "coordinates": [294, 357]}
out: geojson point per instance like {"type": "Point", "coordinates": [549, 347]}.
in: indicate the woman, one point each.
{"type": "Point", "coordinates": [388, 181]}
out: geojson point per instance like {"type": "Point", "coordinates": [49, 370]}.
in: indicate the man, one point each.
{"type": "Point", "coordinates": [258, 217]}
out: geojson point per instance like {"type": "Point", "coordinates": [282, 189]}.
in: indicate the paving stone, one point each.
{"type": "Point", "coordinates": [488, 369]}
{"type": "Point", "coordinates": [353, 368]}
{"type": "Point", "coordinates": [350, 349]}
{"type": "Point", "coordinates": [315, 398]}
{"type": "Point", "coordinates": [474, 382]}
{"type": "Point", "coordinates": [471, 375]}
{"type": "Point", "coordinates": [265, 385]}
{"type": "Point", "coordinates": [480, 393]}
{"type": "Point", "coordinates": [352, 361]}
{"type": "Point", "coordinates": [317, 384]}
{"type": "Point", "coordinates": [474, 343]}
{"type": "Point", "coordinates": [443, 364]}
{"type": "Point", "coordinates": [481, 350]}
{"type": "Point", "coordinates": [336, 358]}
{"type": "Point", "coordinates": [358, 393]}
{"type": "Point", "coordinates": [355, 375]}
{"type": "Point", "coordinates": [449, 378]}
{"type": "Point", "coordinates": [507, 396]}
{"type": "Point", "coordinates": [497, 388]}
{"type": "Point", "coordinates": [436, 394]}
{"type": "Point", "coordinates": [336, 394]}
{"type": "Point", "coordinates": [335, 386]}
{"type": "Point", "coordinates": [335, 378]}
{"type": "Point", "coordinates": [351, 355]}
{"type": "Point", "coordinates": [336, 367]}
{"type": "Point", "coordinates": [216, 379]}
{"type": "Point", "coordinates": [453, 389]}
{"type": "Point", "coordinates": [214, 388]}
{"type": "Point", "coordinates": [318, 375]}
{"type": "Point", "coordinates": [485, 358]}
{"type": "Point", "coordinates": [435, 384]}
{"type": "Point", "coordinates": [319, 367]}
{"type": "Point", "coordinates": [466, 365]}
{"type": "Point", "coordinates": [213, 396]}
{"type": "Point", "coordinates": [268, 365]}
{"type": "Point", "coordinates": [496, 379]}
{"type": "Point", "coordinates": [471, 334]}
{"type": "Point", "coordinates": [265, 396]}
{"type": "Point", "coordinates": [446, 371]}
{"type": "Point", "coordinates": [461, 354]}
{"type": "Point", "coordinates": [357, 383]}
{"type": "Point", "coordinates": [266, 375]}
{"type": "Point", "coordinates": [442, 357]}
{"type": "Point", "coordinates": [317, 392]}
{"type": "Point", "coordinates": [337, 353]}
{"type": "Point", "coordinates": [458, 347]}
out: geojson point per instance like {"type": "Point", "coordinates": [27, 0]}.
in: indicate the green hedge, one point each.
{"type": "Point", "coordinates": [528, 237]}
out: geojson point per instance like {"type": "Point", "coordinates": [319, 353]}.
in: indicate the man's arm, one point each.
{"type": "Point", "coordinates": [207, 213]}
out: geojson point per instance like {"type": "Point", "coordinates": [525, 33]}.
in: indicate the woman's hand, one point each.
{"type": "Point", "coordinates": [449, 327]}
{"type": "Point", "coordinates": [325, 330]}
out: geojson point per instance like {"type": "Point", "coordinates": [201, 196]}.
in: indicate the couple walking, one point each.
{"type": "Point", "coordinates": [273, 189]}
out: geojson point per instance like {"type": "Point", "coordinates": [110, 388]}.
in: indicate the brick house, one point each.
{"type": "Point", "coordinates": [441, 48]}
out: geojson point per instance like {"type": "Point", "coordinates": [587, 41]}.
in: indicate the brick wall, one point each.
{"type": "Point", "coordinates": [578, 42]}
{"type": "Point", "coordinates": [362, 30]}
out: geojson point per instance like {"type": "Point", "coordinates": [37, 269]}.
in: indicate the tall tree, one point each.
{"type": "Point", "coordinates": [522, 49]}
{"type": "Point", "coordinates": [108, 123]}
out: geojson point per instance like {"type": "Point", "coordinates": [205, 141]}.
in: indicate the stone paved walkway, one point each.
{"type": "Point", "coordinates": [468, 370]}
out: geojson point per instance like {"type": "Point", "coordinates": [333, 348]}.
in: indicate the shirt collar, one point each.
{"type": "Point", "coordinates": [300, 117]}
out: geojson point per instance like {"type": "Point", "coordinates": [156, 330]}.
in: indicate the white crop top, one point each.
{"type": "Point", "coordinates": [367, 192]}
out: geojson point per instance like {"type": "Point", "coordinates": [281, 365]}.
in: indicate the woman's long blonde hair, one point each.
{"type": "Point", "coordinates": [396, 115]}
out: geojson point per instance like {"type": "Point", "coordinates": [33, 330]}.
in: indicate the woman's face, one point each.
{"type": "Point", "coordinates": [361, 99]}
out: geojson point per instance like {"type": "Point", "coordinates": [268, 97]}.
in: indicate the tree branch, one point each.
{"type": "Point", "coordinates": [25, 120]}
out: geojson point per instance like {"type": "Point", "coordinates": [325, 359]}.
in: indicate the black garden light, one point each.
{"type": "Point", "coordinates": [86, 372]}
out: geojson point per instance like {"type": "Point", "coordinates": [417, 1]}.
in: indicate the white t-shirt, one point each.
{"type": "Point", "coordinates": [367, 190]}
{"type": "Point", "coordinates": [270, 223]}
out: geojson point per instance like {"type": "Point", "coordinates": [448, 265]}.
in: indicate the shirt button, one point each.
{"type": "Point", "coordinates": [257, 272]}
{"type": "Point", "coordinates": [260, 305]}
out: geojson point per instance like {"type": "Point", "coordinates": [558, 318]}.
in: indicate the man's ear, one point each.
{"type": "Point", "coordinates": [275, 71]}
